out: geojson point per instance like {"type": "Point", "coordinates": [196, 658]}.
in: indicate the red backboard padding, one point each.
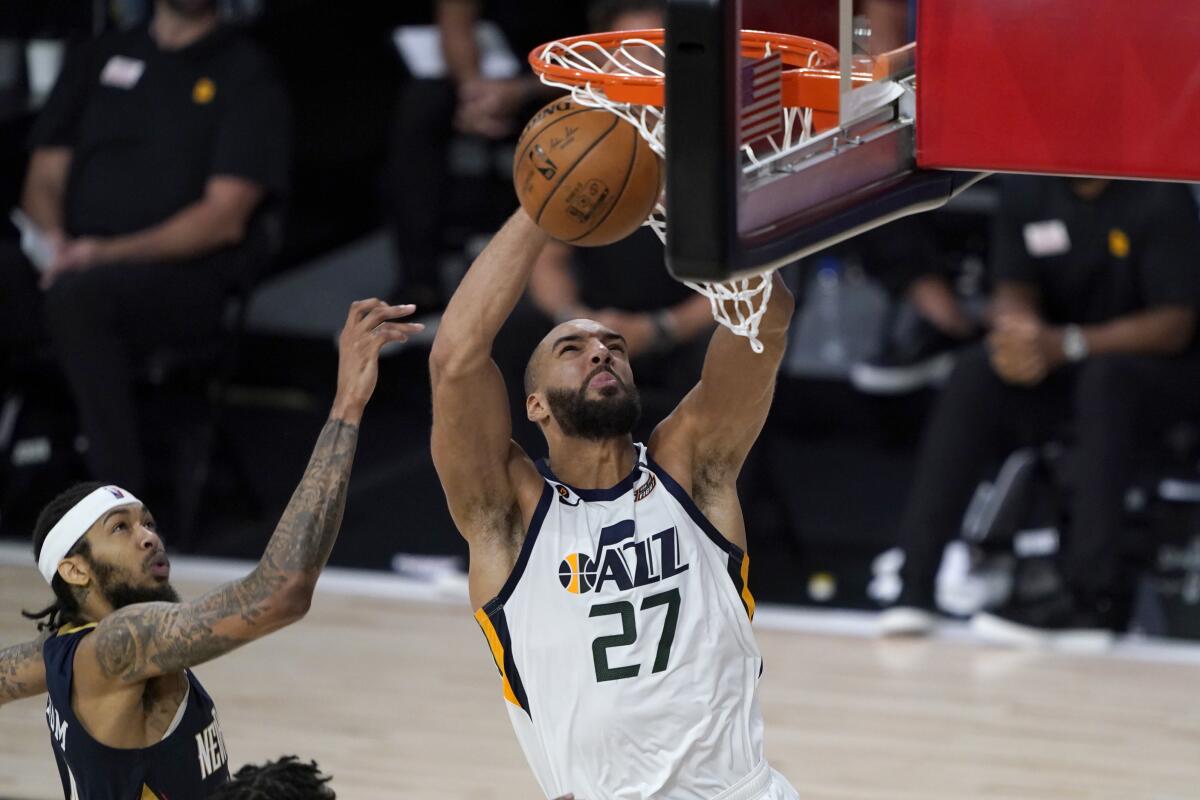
{"type": "Point", "coordinates": [1079, 87]}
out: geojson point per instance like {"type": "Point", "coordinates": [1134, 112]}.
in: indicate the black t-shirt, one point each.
{"type": "Point", "coordinates": [1136, 246]}
{"type": "Point", "coordinates": [630, 275]}
{"type": "Point", "coordinates": [149, 127]}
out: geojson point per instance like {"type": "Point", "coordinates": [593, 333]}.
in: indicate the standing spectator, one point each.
{"type": "Point", "coordinates": [1094, 317]}
{"type": "Point", "coordinates": [155, 162]}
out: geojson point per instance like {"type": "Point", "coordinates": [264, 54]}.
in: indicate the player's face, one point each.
{"type": "Point", "coordinates": [128, 560]}
{"type": "Point", "coordinates": [586, 357]}
{"type": "Point", "coordinates": [588, 382]}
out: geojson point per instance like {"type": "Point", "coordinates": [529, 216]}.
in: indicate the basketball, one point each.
{"type": "Point", "coordinates": [585, 175]}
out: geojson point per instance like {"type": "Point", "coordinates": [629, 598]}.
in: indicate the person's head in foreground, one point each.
{"type": "Point", "coordinates": [578, 383]}
{"type": "Point", "coordinates": [99, 549]}
{"type": "Point", "coordinates": [289, 778]}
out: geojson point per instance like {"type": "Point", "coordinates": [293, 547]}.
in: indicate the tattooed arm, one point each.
{"type": "Point", "coordinates": [149, 639]}
{"type": "Point", "coordinates": [22, 671]}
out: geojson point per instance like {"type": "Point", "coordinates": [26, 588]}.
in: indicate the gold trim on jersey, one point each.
{"type": "Point", "coordinates": [66, 630]}
{"type": "Point", "coordinates": [573, 560]}
{"type": "Point", "coordinates": [489, 631]}
{"type": "Point", "coordinates": [147, 794]}
{"type": "Point", "coordinates": [747, 598]}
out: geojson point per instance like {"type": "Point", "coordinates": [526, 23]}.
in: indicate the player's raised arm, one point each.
{"type": "Point", "coordinates": [472, 428]}
{"type": "Point", "coordinates": [22, 671]}
{"type": "Point", "coordinates": [143, 640]}
{"type": "Point", "coordinates": [716, 424]}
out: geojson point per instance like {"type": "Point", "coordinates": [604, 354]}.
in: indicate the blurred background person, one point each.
{"type": "Point", "coordinates": [156, 164]}
{"type": "Point", "coordinates": [1093, 324]}
{"type": "Point", "coordinates": [486, 92]}
{"type": "Point", "coordinates": [928, 319]}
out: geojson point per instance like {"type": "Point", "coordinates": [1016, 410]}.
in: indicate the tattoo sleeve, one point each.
{"type": "Point", "coordinates": [149, 639]}
{"type": "Point", "coordinates": [22, 671]}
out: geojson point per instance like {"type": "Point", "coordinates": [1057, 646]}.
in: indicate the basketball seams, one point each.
{"type": "Point", "coordinates": [624, 187]}
{"type": "Point", "coordinates": [582, 157]}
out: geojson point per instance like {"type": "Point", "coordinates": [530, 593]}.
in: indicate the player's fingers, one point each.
{"type": "Point", "coordinates": [392, 332]}
{"type": "Point", "coordinates": [409, 327]}
{"type": "Point", "coordinates": [383, 312]}
{"type": "Point", "coordinates": [359, 308]}
{"type": "Point", "coordinates": [403, 310]}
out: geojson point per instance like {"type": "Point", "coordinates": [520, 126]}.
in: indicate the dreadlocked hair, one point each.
{"type": "Point", "coordinates": [65, 608]}
{"type": "Point", "coordinates": [289, 778]}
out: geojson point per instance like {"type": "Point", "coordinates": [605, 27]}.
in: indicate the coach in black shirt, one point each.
{"type": "Point", "coordinates": [1093, 321]}
{"type": "Point", "coordinates": [155, 162]}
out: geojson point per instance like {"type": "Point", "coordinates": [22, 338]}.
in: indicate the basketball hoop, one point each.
{"type": "Point", "coordinates": [621, 72]}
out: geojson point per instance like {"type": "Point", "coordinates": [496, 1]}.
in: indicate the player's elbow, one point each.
{"type": "Point", "coordinates": [293, 599]}
{"type": "Point", "coordinates": [450, 358]}
{"type": "Point", "coordinates": [441, 358]}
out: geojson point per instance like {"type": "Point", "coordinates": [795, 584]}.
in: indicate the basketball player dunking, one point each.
{"type": "Point", "coordinates": [609, 580]}
{"type": "Point", "coordinates": [128, 719]}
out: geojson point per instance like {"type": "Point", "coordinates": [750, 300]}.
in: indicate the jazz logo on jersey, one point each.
{"type": "Point", "coordinates": [653, 559]}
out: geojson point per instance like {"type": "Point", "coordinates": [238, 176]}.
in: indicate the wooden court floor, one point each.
{"type": "Point", "coordinates": [398, 698]}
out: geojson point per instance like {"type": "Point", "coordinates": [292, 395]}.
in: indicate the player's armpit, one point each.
{"type": "Point", "coordinates": [22, 671]}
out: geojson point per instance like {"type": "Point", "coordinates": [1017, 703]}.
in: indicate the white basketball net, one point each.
{"type": "Point", "coordinates": [737, 304]}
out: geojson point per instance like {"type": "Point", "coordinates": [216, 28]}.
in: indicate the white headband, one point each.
{"type": "Point", "coordinates": [75, 523]}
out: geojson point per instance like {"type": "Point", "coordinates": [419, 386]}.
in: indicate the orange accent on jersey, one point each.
{"type": "Point", "coordinates": [489, 631]}
{"type": "Point", "coordinates": [747, 598]}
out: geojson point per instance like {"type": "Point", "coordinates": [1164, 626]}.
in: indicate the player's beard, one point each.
{"type": "Point", "coordinates": [596, 419]}
{"type": "Point", "coordinates": [115, 584]}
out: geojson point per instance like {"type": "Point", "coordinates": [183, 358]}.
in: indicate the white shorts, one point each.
{"type": "Point", "coordinates": [763, 783]}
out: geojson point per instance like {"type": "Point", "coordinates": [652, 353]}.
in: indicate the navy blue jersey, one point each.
{"type": "Point", "coordinates": [189, 764]}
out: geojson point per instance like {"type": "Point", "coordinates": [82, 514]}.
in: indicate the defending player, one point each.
{"type": "Point", "coordinates": [610, 580]}
{"type": "Point", "coordinates": [127, 717]}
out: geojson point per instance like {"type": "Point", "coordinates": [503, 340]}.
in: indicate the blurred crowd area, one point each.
{"type": "Point", "coordinates": [994, 403]}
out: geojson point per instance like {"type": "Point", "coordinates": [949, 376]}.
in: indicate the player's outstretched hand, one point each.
{"type": "Point", "coordinates": [369, 326]}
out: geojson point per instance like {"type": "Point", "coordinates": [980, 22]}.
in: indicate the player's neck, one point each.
{"type": "Point", "coordinates": [590, 464]}
{"type": "Point", "coordinates": [95, 608]}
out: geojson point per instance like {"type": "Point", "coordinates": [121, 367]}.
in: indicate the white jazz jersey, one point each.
{"type": "Point", "coordinates": [625, 650]}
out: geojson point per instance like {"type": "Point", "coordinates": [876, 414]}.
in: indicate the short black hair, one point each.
{"type": "Point", "coordinates": [289, 778]}
{"type": "Point", "coordinates": [65, 609]}
{"type": "Point", "coordinates": [602, 14]}
{"type": "Point", "coordinates": [531, 372]}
